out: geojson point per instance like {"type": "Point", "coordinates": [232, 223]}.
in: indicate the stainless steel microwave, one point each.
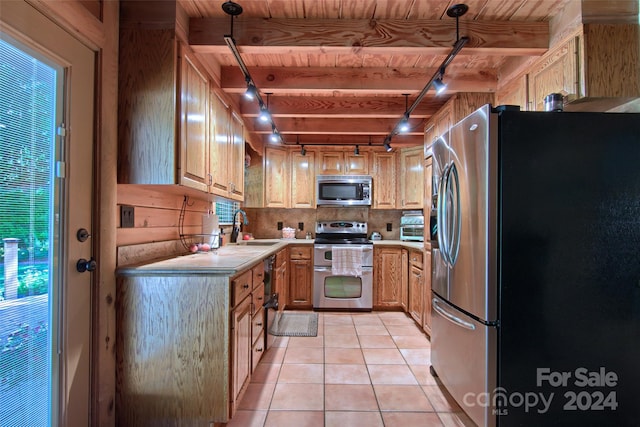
{"type": "Point", "coordinates": [343, 190]}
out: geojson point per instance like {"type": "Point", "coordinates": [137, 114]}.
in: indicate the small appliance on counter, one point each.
{"type": "Point", "coordinates": [412, 226]}
{"type": "Point", "coordinates": [376, 236]}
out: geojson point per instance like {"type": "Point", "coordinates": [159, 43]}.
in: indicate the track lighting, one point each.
{"type": "Point", "coordinates": [404, 127]}
{"type": "Point", "coordinates": [251, 92]}
{"type": "Point", "coordinates": [303, 151]}
{"type": "Point", "coordinates": [356, 151]}
{"type": "Point", "coordinates": [264, 116]}
{"type": "Point", "coordinates": [455, 11]}
{"type": "Point", "coordinates": [439, 86]}
{"type": "Point", "coordinates": [387, 145]}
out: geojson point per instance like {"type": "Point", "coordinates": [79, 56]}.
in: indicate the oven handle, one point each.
{"type": "Point", "coordinates": [365, 248]}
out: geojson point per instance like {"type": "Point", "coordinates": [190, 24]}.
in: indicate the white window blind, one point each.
{"type": "Point", "coordinates": [27, 135]}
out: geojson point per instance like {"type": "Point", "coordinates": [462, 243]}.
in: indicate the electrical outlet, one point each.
{"type": "Point", "coordinates": [389, 228]}
{"type": "Point", "coordinates": [280, 225]}
{"type": "Point", "coordinates": [301, 226]}
{"type": "Point", "coordinates": [127, 216]}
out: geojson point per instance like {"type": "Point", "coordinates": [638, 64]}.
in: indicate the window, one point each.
{"type": "Point", "coordinates": [225, 211]}
{"type": "Point", "coordinates": [27, 139]}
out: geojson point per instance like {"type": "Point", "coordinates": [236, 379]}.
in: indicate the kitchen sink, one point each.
{"type": "Point", "coordinates": [257, 243]}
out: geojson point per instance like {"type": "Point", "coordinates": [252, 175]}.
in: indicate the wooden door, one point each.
{"type": "Point", "coordinates": [303, 194]}
{"type": "Point", "coordinates": [331, 163]}
{"type": "Point", "coordinates": [276, 184]}
{"type": "Point", "coordinates": [241, 350]}
{"type": "Point", "coordinates": [356, 164]}
{"type": "Point", "coordinates": [412, 178]}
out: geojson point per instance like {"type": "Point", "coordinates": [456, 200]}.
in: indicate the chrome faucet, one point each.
{"type": "Point", "coordinates": [236, 228]}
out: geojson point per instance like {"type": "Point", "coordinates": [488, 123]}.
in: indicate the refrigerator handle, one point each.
{"type": "Point", "coordinates": [451, 317]}
{"type": "Point", "coordinates": [454, 245]}
{"type": "Point", "coordinates": [441, 215]}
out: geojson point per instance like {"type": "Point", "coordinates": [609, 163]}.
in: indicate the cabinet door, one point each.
{"type": "Point", "coordinates": [426, 300]}
{"type": "Point", "coordinates": [387, 278]}
{"type": "Point", "coordinates": [557, 73]}
{"type": "Point", "coordinates": [235, 160]}
{"type": "Point", "coordinates": [276, 178]}
{"type": "Point", "coordinates": [412, 178]}
{"type": "Point", "coordinates": [303, 180]}
{"type": "Point", "coordinates": [194, 134]}
{"type": "Point", "coordinates": [300, 283]}
{"type": "Point", "coordinates": [384, 180]}
{"type": "Point", "coordinates": [514, 93]}
{"type": "Point", "coordinates": [219, 134]}
{"type": "Point", "coordinates": [428, 193]}
{"type": "Point", "coordinates": [415, 287]}
{"type": "Point", "coordinates": [356, 164]}
{"type": "Point", "coordinates": [404, 290]}
{"type": "Point", "coordinates": [241, 350]}
{"type": "Point", "coordinates": [331, 163]}
{"type": "Point", "coordinates": [281, 278]}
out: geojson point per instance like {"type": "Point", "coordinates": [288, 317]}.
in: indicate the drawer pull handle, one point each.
{"type": "Point", "coordinates": [259, 350]}
{"type": "Point", "coordinates": [245, 286]}
{"type": "Point", "coordinates": [258, 324]}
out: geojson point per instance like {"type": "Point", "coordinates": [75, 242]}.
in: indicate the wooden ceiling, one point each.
{"type": "Point", "coordinates": [338, 70]}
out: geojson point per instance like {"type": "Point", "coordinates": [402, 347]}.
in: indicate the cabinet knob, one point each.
{"type": "Point", "coordinates": [259, 324]}
{"type": "Point", "coordinates": [259, 350]}
{"type": "Point", "coordinates": [245, 286]}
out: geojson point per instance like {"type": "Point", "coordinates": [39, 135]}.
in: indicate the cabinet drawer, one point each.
{"type": "Point", "coordinates": [257, 298]}
{"type": "Point", "coordinates": [257, 324]}
{"type": "Point", "coordinates": [241, 287]}
{"type": "Point", "coordinates": [257, 351]}
{"type": "Point", "coordinates": [301, 252]}
{"type": "Point", "coordinates": [258, 274]}
{"type": "Point", "coordinates": [415, 258]}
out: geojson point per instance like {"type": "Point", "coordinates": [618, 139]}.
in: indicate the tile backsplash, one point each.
{"type": "Point", "coordinates": [263, 222]}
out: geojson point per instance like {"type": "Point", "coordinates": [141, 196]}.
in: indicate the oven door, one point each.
{"type": "Point", "coordinates": [322, 255]}
{"type": "Point", "coordinates": [342, 292]}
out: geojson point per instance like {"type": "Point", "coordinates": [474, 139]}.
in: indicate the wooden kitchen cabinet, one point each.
{"type": "Point", "coordinates": [342, 163]}
{"type": "Point", "coordinates": [196, 363]}
{"type": "Point", "coordinates": [303, 192]}
{"type": "Point", "coordinates": [416, 285]}
{"type": "Point", "coordinates": [455, 109]}
{"type": "Point", "coordinates": [411, 178]}
{"type": "Point", "coordinates": [281, 278]}
{"type": "Point", "coordinates": [160, 142]}
{"type": "Point", "coordinates": [515, 92]}
{"type": "Point", "coordinates": [276, 183]}
{"type": "Point", "coordinates": [385, 184]}
{"type": "Point", "coordinates": [557, 72]}
{"type": "Point", "coordinates": [194, 138]}
{"type": "Point", "coordinates": [227, 150]}
{"type": "Point", "coordinates": [300, 277]}
{"type": "Point", "coordinates": [240, 351]}
{"type": "Point", "coordinates": [404, 289]}
{"type": "Point", "coordinates": [387, 280]}
{"type": "Point", "coordinates": [426, 300]}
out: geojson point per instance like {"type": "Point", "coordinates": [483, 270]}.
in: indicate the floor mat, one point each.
{"type": "Point", "coordinates": [296, 325]}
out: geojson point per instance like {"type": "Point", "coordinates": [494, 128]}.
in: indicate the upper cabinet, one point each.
{"type": "Point", "coordinates": [584, 69]}
{"type": "Point", "coordinates": [385, 184]}
{"type": "Point", "coordinates": [173, 127]}
{"type": "Point", "coordinates": [277, 178]}
{"type": "Point", "coordinates": [194, 124]}
{"type": "Point", "coordinates": [455, 109]}
{"type": "Point", "coordinates": [343, 163]}
{"type": "Point", "coordinates": [411, 178]}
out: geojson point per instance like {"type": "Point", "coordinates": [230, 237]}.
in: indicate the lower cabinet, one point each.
{"type": "Point", "coordinates": [281, 278]}
{"type": "Point", "coordinates": [426, 313]}
{"type": "Point", "coordinates": [387, 278]}
{"type": "Point", "coordinates": [416, 285]}
{"type": "Point", "coordinates": [300, 277]}
{"type": "Point", "coordinates": [241, 350]}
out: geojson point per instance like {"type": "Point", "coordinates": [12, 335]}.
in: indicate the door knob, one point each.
{"type": "Point", "coordinates": [83, 265]}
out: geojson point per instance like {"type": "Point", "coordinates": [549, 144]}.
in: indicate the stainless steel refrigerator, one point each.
{"type": "Point", "coordinates": [536, 267]}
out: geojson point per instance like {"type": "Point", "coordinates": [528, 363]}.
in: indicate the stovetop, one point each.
{"type": "Point", "coordinates": [341, 232]}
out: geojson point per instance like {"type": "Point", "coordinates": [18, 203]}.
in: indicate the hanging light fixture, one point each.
{"type": "Point", "coordinates": [455, 11]}
{"type": "Point", "coordinates": [233, 10]}
{"type": "Point", "coordinates": [403, 126]}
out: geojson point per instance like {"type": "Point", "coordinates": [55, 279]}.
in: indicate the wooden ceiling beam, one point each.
{"type": "Point", "coordinates": [336, 126]}
{"type": "Point", "coordinates": [361, 140]}
{"type": "Point", "coordinates": [364, 36]}
{"type": "Point", "coordinates": [340, 107]}
{"type": "Point", "coordinates": [361, 81]}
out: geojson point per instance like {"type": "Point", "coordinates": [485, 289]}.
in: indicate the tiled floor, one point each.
{"type": "Point", "coordinates": [363, 369]}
